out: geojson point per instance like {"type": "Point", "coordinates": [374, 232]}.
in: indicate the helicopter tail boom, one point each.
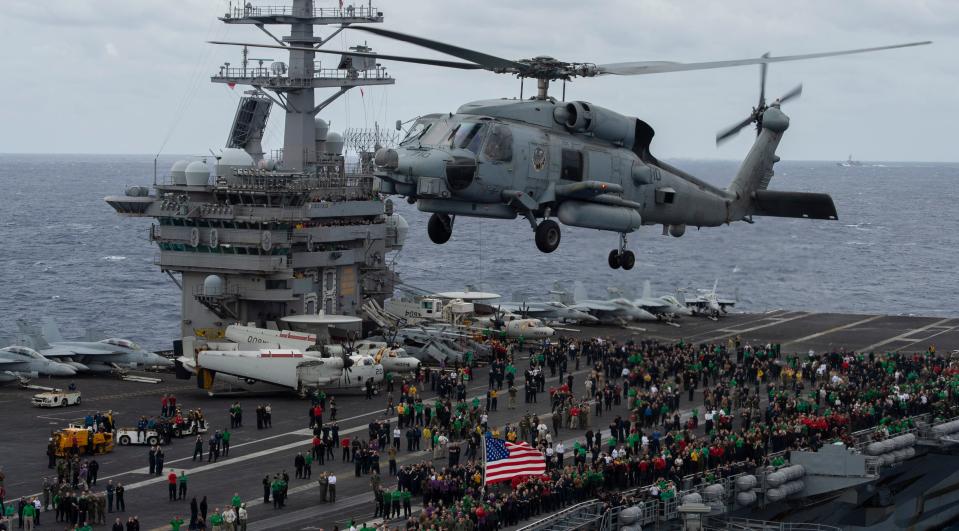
{"type": "Point", "coordinates": [749, 186]}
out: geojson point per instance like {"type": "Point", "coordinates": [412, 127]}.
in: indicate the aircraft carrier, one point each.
{"type": "Point", "coordinates": [250, 236]}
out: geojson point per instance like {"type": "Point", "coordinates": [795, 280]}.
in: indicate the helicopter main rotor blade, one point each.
{"type": "Point", "coordinates": [659, 67]}
{"type": "Point", "coordinates": [762, 81]}
{"type": "Point", "coordinates": [731, 131]}
{"type": "Point", "coordinates": [417, 60]}
{"type": "Point", "coordinates": [490, 62]}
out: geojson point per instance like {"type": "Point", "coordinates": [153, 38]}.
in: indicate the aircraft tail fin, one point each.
{"type": "Point", "coordinates": [50, 330]}
{"type": "Point", "coordinates": [750, 196]}
{"type": "Point", "coordinates": [647, 290]}
{"type": "Point", "coordinates": [681, 296]}
{"type": "Point", "coordinates": [579, 292]}
{"type": "Point", "coordinates": [30, 335]}
{"type": "Point", "coordinates": [561, 294]}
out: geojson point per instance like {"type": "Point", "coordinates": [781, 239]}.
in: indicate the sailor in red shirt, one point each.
{"type": "Point", "coordinates": [171, 484]}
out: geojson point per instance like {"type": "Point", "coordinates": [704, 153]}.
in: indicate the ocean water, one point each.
{"type": "Point", "coordinates": [65, 254]}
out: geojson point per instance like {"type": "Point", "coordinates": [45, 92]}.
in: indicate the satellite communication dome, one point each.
{"type": "Point", "coordinates": [235, 157]}
{"type": "Point", "coordinates": [278, 68]}
{"type": "Point", "coordinates": [322, 128]}
{"type": "Point", "coordinates": [197, 174]}
{"type": "Point", "coordinates": [213, 285]}
{"type": "Point", "coordinates": [396, 230]}
{"type": "Point", "coordinates": [178, 172]}
{"type": "Point", "coordinates": [232, 159]}
{"type": "Point", "coordinates": [334, 143]}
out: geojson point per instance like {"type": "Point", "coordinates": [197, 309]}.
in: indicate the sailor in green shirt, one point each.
{"type": "Point", "coordinates": [308, 465]}
{"type": "Point", "coordinates": [29, 511]}
{"type": "Point", "coordinates": [236, 501]}
{"type": "Point", "coordinates": [226, 442]}
{"type": "Point", "coordinates": [176, 523]}
{"type": "Point", "coordinates": [406, 495]}
{"type": "Point", "coordinates": [395, 498]}
{"type": "Point", "coordinates": [181, 493]}
{"type": "Point", "coordinates": [216, 520]}
{"type": "Point", "coordinates": [10, 511]}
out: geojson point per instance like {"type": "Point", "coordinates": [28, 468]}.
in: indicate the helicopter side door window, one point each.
{"type": "Point", "coordinates": [572, 169]}
{"type": "Point", "coordinates": [469, 136]}
{"type": "Point", "coordinates": [499, 147]}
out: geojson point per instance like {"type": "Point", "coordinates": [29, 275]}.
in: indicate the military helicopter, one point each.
{"type": "Point", "coordinates": [579, 163]}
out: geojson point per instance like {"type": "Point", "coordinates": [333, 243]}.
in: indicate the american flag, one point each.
{"type": "Point", "coordinates": [506, 460]}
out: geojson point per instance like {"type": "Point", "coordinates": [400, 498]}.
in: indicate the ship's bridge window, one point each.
{"type": "Point", "coordinates": [499, 146]}
{"type": "Point", "coordinates": [572, 169]}
{"type": "Point", "coordinates": [469, 136]}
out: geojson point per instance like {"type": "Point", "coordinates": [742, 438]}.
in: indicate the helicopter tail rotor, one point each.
{"type": "Point", "coordinates": [756, 116]}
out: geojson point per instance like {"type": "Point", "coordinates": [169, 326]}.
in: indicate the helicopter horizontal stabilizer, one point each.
{"type": "Point", "coordinates": [793, 205]}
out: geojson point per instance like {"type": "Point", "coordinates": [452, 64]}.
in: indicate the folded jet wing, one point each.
{"type": "Point", "coordinates": [286, 368]}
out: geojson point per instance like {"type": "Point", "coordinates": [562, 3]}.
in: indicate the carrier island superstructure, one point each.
{"type": "Point", "coordinates": [252, 237]}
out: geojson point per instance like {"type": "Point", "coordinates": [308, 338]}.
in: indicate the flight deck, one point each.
{"type": "Point", "coordinates": [256, 453]}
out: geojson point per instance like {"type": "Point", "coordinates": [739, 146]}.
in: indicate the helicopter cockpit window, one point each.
{"type": "Point", "coordinates": [469, 136]}
{"type": "Point", "coordinates": [499, 147]}
{"type": "Point", "coordinates": [436, 134]}
{"type": "Point", "coordinates": [420, 128]}
{"type": "Point", "coordinates": [572, 165]}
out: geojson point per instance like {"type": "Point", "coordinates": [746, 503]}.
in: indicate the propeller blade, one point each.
{"type": "Point", "coordinates": [400, 58]}
{"type": "Point", "coordinates": [659, 67]}
{"type": "Point", "coordinates": [794, 93]}
{"type": "Point", "coordinates": [762, 82]}
{"type": "Point", "coordinates": [730, 132]}
{"type": "Point", "coordinates": [490, 62]}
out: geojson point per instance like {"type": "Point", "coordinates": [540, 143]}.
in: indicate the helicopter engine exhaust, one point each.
{"type": "Point", "coordinates": [596, 216]}
{"type": "Point", "coordinates": [583, 117]}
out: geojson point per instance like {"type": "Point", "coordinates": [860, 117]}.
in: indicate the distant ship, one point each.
{"type": "Point", "coordinates": [848, 163]}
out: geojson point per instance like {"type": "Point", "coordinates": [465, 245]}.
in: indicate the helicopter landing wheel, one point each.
{"type": "Point", "coordinates": [614, 259]}
{"type": "Point", "coordinates": [547, 236]}
{"type": "Point", "coordinates": [627, 260]}
{"type": "Point", "coordinates": [440, 228]}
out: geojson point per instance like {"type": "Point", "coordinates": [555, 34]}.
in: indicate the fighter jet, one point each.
{"type": "Point", "coordinates": [546, 310]}
{"type": "Point", "coordinates": [392, 359]}
{"type": "Point", "coordinates": [709, 303]}
{"type": "Point", "coordinates": [272, 370]}
{"type": "Point", "coordinates": [616, 310]}
{"type": "Point", "coordinates": [95, 356]}
{"type": "Point", "coordinates": [18, 362]}
{"type": "Point", "coordinates": [665, 307]}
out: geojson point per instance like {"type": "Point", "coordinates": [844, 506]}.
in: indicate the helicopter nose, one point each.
{"type": "Point", "coordinates": [386, 158]}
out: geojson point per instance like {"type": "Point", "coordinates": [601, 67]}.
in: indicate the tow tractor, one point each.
{"type": "Point", "coordinates": [56, 398]}
{"type": "Point", "coordinates": [129, 436]}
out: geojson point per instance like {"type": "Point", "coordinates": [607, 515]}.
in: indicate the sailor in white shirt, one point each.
{"type": "Point", "coordinates": [332, 487]}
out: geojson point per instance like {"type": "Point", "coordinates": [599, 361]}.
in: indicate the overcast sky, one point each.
{"type": "Point", "coordinates": [130, 76]}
